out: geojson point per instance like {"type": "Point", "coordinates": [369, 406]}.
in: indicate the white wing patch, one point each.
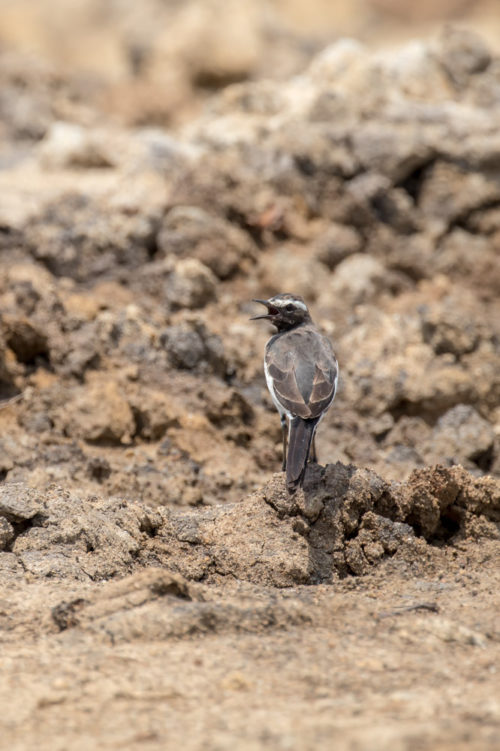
{"type": "Point", "coordinates": [270, 386]}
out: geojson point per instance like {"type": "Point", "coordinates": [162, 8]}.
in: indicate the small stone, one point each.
{"type": "Point", "coordinates": [191, 232]}
{"type": "Point", "coordinates": [338, 242]}
{"type": "Point", "coordinates": [462, 53]}
{"type": "Point", "coordinates": [184, 346]}
{"type": "Point", "coordinates": [18, 502]}
{"type": "Point", "coordinates": [98, 469]}
{"type": "Point", "coordinates": [71, 145]}
{"type": "Point", "coordinates": [6, 533]}
{"type": "Point", "coordinates": [99, 414]}
{"type": "Point", "coordinates": [463, 436]}
{"type": "Point", "coordinates": [355, 558]}
{"type": "Point", "coordinates": [373, 551]}
{"type": "Point", "coordinates": [25, 340]}
{"type": "Point", "coordinates": [450, 331]}
{"type": "Point", "coordinates": [191, 285]}
{"type": "Point", "coordinates": [191, 346]}
{"type": "Point", "coordinates": [358, 278]}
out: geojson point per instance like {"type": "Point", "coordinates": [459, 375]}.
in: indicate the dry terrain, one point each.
{"type": "Point", "coordinates": [158, 588]}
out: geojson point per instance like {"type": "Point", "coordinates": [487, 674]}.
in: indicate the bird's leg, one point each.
{"type": "Point", "coordinates": [284, 428]}
{"type": "Point", "coordinates": [314, 455]}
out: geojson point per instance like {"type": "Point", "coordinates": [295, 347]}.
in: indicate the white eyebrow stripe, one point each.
{"type": "Point", "coordinates": [282, 303]}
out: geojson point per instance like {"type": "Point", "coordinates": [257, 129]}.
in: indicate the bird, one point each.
{"type": "Point", "coordinates": [301, 374]}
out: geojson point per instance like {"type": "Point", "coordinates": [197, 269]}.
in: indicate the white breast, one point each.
{"type": "Point", "coordinates": [270, 386]}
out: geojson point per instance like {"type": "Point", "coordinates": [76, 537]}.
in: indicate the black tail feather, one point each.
{"type": "Point", "coordinates": [300, 439]}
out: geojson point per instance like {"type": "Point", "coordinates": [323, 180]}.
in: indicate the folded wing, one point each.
{"type": "Point", "coordinates": [304, 391]}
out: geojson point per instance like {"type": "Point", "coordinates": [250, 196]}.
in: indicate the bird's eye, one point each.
{"type": "Point", "coordinates": [289, 307]}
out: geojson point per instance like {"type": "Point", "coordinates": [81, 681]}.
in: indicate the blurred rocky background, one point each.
{"type": "Point", "coordinates": [156, 62]}
{"type": "Point", "coordinates": [161, 164]}
{"type": "Point", "coordinates": [360, 175]}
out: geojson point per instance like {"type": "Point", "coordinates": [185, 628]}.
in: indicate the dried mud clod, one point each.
{"type": "Point", "coordinates": [155, 604]}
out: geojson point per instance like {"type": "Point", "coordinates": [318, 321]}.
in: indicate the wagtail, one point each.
{"type": "Point", "coordinates": [301, 373]}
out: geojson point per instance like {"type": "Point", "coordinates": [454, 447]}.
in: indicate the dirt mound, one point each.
{"type": "Point", "coordinates": [344, 521]}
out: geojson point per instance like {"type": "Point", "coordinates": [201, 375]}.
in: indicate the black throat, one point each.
{"type": "Point", "coordinates": [283, 326]}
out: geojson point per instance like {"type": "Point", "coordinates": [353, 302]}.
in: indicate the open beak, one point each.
{"type": "Point", "coordinates": [271, 310]}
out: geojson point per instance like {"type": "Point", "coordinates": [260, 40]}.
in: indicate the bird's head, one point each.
{"type": "Point", "coordinates": [284, 311]}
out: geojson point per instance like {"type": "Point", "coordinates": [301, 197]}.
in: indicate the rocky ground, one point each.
{"type": "Point", "coordinates": [157, 582]}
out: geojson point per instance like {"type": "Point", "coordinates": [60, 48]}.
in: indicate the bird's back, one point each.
{"type": "Point", "coordinates": [304, 369]}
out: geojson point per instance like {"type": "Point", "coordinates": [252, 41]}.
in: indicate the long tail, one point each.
{"type": "Point", "coordinates": [300, 439]}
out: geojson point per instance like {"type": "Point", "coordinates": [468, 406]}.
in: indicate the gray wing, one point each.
{"type": "Point", "coordinates": [304, 372]}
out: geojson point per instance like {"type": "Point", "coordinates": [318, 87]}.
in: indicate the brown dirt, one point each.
{"type": "Point", "coordinates": [290, 624]}
{"type": "Point", "coordinates": [157, 583]}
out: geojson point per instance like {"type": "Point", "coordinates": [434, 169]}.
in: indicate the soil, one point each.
{"type": "Point", "coordinates": [158, 587]}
